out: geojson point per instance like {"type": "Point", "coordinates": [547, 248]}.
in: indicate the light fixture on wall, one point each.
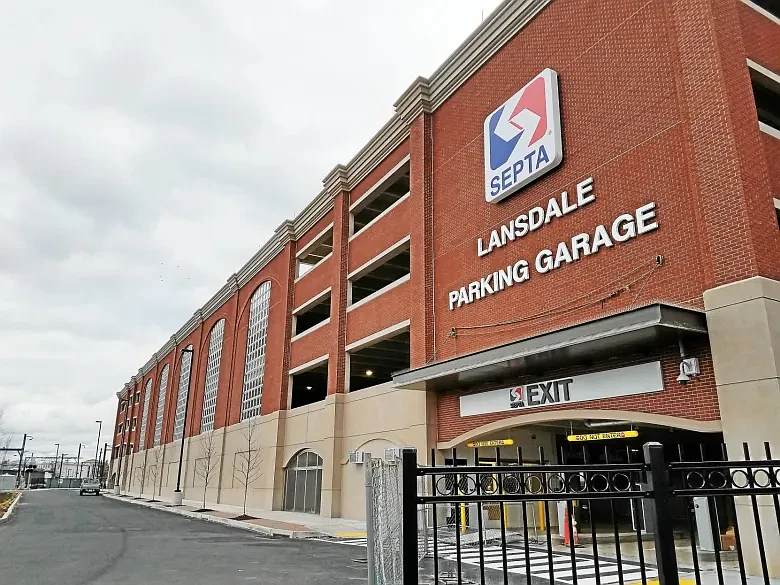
{"type": "Point", "coordinates": [308, 387]}
{"type": "Point", "coordinates": [369, 372]}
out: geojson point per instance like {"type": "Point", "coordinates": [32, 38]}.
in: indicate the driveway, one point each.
{"type": "Point", "coordinates": [57, 536]}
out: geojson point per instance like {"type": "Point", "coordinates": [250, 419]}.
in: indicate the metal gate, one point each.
{"type": "Point", "coordinates": [746, 492]}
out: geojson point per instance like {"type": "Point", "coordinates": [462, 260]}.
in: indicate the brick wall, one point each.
{"type": "Point", "coordinates": [638, 95]}
{"type": "Point", "coordinates": [697, 400]}
{"type": "Point", "coordinates": [375, 239]}
{"type": "Point", "coordinates": [656, 107]}
{"type": "Point", "coordinates": [760, 37]}
{"type": "Point", "coordinates": [387, 309]}
{"type": "Point", "coordinates": [378, 172]}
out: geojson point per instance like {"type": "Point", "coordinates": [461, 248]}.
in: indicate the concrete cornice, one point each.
{"type": "Point", "coordinates": [232, 282]}
{"type": "Point", "coordinates": [336, 181]}
{"type": "Point", "coordinates": [414, 101]}
{"type": "Point", "coordinates": [219, 299]}
{"type": "Point", "coordinates": [508, 19]}
{"type": "Point", "coordinates": [312, 213]}
{"type": "Point", "coordinates": [263, 256]}
{"type": "Point", "coordinates": [286, 229]}
{"type": "Point", "coordinates": [390, 136]}
{"type": "Point", "coordinates": [424, 95]}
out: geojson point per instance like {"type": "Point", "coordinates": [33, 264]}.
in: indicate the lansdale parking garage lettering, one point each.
{"type": "Point", "coordinates": [623, 228]}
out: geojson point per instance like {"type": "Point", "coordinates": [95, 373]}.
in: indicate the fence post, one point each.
{"type": "Point", "coordinates": [658, 482]}
{"type": "Point", "coordinates": [409, 516]}
{"type": "Point", "coordinates": [370, 521]}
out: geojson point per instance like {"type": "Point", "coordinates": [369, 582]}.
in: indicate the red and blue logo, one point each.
{"type": "Point", "coordinates": [516, 397]}
{"type": "Point", "coordinates": [523, 137]}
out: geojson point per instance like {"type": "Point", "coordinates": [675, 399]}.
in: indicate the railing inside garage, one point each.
{"type": "Point", "coordinates": [444, 514]}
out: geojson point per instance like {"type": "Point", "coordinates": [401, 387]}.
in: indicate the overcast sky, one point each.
{"type": "Point", "coordinates": [148, 148]}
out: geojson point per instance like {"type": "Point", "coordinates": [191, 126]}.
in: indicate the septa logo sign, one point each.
{"type": "Point", "coordinates": [523, 137]}
{"type": "Point", "coordinates": [516, 397]}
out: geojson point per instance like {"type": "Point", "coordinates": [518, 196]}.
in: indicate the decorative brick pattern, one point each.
{"type": "Point", "coordinates": [338, 298]}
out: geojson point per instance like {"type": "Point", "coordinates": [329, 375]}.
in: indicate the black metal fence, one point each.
{"type": "Point", "coordinates": [660, 497]}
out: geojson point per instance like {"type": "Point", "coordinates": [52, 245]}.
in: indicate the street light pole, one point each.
{"type": "Point", "coordinates": [103, 464]}
{"type": "Point", "coordinates": [78, 460]}
{"type": "Point", "coordinates": [97, 445]}
{"type": "Point", "coordinates": [56, 456]}
{"type": "Point", "coordinates": [177, 496]}
{"type": "Point", "coordinates": [21, 457]}
{"type": "Point", "coordinates": [62, 461]}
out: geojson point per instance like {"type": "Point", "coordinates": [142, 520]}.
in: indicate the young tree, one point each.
{"type": "Point", "coordinates": [249, 461]}
{"type": "Point", "coordinates": [206, 465]}
{"type": "Point", "coordinates": [142, 470]}
{"type": "Point", "coordinates": [154, 470]}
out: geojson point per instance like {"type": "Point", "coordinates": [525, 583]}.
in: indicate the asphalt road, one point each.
{"type": "Point", "coordinates": [57, 537]}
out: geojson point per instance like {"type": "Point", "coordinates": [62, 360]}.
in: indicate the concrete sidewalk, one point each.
{"type": "Point", "coordinates": [271, 522]}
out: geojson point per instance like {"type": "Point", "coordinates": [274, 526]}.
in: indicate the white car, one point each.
{"type": "Point", "coordinates": [90, 486]}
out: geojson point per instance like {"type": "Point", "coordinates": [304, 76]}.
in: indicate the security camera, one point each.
{"type": "Point", "coordinates": [689, 368]}
{"type": "Point", "coordinates": [683, 378]}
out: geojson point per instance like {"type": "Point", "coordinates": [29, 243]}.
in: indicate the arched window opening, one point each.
{"type": "Point", "coordinates": [212, 376]}
{"type": "Point", "coordinates": [161, 405]}
{"type": "Point", "coordinates": [303, 483]}
{"type": "Point", "coordinates": [145, 415]}
{"type": "Point", "coordinates": [254, 366]}
{"type": "Point", "coordinates": [181, 396]}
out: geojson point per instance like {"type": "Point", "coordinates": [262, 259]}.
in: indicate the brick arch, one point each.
{"type": "Point", "coordinates": [221, 317]}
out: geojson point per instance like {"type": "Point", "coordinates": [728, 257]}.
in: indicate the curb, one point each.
{"type": "Point", "coordinates": [7, 516]}
{"type": "Point", "coordinates": [241, 525]}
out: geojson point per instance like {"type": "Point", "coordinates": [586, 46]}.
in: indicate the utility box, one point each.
{"type": "Point", "coordinates": [701, 512]}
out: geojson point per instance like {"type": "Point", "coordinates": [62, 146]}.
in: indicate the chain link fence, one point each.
{"type": "Point", "coordinates": [384, 520]}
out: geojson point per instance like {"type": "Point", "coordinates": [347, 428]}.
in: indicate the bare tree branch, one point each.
{"type": "Point", "coordinates": [154, 470]}
{"type": "Point", "coordinates": [143, 470]}
{"type": "Point", "coordinates": [249, 461]}
{"type": "Point", "coordinates": [206, 465]}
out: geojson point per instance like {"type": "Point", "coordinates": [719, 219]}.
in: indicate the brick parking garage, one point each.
{"type": "Point", "coordinates": [429, 297]}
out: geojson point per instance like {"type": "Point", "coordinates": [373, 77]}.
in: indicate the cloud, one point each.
{"type": "Point", "coordinates": [147, 149]}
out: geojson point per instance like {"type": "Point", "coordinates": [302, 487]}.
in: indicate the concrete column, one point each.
{"type": "Point", "coordinates": [331, 452]}
{"type": "Point", "coordinates": [273, 466]}
{"type": "Point", "coordinates": [744, 327]}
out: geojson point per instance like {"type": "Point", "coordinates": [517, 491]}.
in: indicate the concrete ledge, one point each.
{"type": "Point", "coordinates": [734, 293]}
{"type": "Point", "coordinates": [7, 516]}
{"type": "Point", "coordinates": [240, 524]}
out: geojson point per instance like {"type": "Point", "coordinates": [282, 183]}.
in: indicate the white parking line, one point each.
{"type": "Point", "coordinates": [539, 562]}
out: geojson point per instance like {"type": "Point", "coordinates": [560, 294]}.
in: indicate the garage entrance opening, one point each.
{"type": "Point", "coordinates": [678, 445]}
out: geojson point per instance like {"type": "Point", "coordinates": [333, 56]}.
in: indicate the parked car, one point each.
{"type": "Point", "coordinates": [90, 486]}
